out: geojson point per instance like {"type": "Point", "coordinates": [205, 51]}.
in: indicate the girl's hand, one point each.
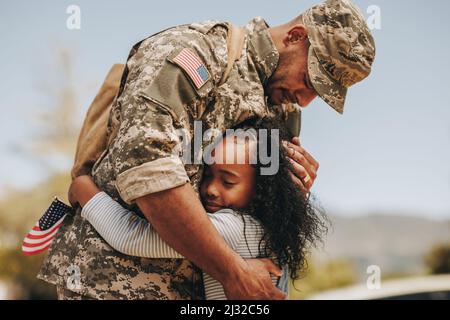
{"type": "Point", "coordinates": [82, 190]}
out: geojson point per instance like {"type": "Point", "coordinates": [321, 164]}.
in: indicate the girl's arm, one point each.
{"type": "Point", "coordinates": [132, 235]}
{"type": "Point", "coordinates": [128, 233]}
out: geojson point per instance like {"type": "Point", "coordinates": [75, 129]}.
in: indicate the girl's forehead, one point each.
{"type": "Point", "coordinates": [235, 150]}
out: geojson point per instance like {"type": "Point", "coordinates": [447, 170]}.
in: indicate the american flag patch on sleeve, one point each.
{"type": "Point", "coordinates": [193, 66]}
{"type": "Point", "coordinates": [41, 236]}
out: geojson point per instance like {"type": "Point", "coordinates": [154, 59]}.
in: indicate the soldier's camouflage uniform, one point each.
{"type": "Point", "coordinates": [157, 98]}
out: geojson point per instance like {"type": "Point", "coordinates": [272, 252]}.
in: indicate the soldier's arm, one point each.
{"type": "Point", "coordinates": [132, 235]}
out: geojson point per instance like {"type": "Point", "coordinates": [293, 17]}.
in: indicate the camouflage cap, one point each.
{"type": "Point", "coordinates": [342, 49]}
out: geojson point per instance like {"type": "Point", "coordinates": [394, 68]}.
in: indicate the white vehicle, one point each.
{"type": "Point", "coordinates": [417, 288]}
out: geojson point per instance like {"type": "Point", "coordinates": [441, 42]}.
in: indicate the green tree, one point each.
{"type": "Point", "coordinates": [437, 260]}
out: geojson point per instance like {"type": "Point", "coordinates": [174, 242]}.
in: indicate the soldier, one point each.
{"type": "Point", "coordinates": [172, 79]}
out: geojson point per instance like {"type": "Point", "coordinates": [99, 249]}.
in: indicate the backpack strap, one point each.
{"type": "Point", "coordinates": [235, 44]}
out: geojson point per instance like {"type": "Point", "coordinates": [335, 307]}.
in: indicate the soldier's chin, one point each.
{"type": "Point", "coordinates": [276, 93]}
{"type": "Point", "coordinates": [274, 99]}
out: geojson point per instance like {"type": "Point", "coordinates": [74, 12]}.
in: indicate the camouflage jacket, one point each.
{"type": "Point", "coordinates": [157, 96]}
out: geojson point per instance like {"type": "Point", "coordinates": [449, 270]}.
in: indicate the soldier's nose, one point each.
{"type": "Point", "coordinates": [305, 98]}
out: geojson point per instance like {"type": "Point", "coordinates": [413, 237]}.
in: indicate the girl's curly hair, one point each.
{"type": "Point", "coordinates": [291, 223]}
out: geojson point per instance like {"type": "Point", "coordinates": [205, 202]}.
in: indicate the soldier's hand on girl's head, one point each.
{"type": "Point", "coordinates": [304, 166]}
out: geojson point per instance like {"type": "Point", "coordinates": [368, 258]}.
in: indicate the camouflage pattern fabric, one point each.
{"type": "Point", "coordinates": [342, 49]}
{"type": "Point", "coordinates": [156, 98]}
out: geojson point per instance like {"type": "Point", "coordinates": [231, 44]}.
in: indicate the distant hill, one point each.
{"type": "Point", "coordinates": [396, 243]}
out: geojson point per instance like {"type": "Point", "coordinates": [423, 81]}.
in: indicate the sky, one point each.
{"type": "Point", "coordinates": [389, 152]}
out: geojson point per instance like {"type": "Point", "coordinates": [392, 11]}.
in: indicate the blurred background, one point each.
{"type": "Point", "coordinates": [384, 179]}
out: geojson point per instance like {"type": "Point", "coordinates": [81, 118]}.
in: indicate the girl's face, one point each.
{"type": "Point", "coordinates": [229, 183]}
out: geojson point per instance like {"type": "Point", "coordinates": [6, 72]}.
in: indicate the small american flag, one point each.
{"type": "Point", "coordinates": [193, 66]}
{"type": "Point", "coordinates": [40, 237]}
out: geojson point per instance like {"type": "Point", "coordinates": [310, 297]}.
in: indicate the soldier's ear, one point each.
{"type": "Point", "coordinates": [296, 35]}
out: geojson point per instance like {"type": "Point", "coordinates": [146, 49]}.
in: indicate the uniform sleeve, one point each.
{"type": "Point", "coordinates": [146, 159]}
{"type": "Point", "coordinates": [156, 108]}
{"type": "Point", "coordinates": [132, 235]}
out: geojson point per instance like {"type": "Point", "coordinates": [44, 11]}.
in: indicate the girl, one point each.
{"type": "Point", "coordinates": [258, 215]}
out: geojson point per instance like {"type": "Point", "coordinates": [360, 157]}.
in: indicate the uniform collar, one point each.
{"type": "Point", "coordinates": [261, 48]}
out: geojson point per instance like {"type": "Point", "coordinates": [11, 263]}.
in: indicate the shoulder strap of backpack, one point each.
{"type": "Point", "coordinates": [235, 44]}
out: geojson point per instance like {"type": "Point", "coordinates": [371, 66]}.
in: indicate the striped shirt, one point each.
{"type": "Point", "coordinates": [132, 235]}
